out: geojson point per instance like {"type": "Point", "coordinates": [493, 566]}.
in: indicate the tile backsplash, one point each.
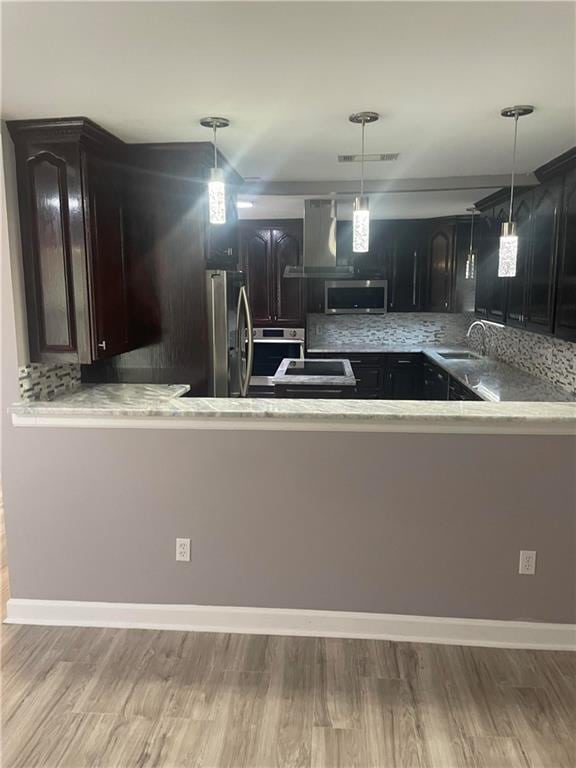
{"type": "Point", "coordinates": [39, 381]}
{"type": "Point", "coordinates": [543, 356]}
{"type": "Point", "coordinates": [402, 328]}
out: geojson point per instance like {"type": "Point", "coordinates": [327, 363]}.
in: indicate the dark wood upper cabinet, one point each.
{"type": "Point", "coordinates": [542, 272]}
{"type": "Point", "coordinates": [565, 327]}
{"type": "Point", "coordinates": [404, 244]}
{"type": "Point", "coordinates": [266, 249]}
{"type": "Point", "coordinates": [440, 268]}
{"type": "Point", "coordinates": [72, 228]}
{"type": "Point", "coordinates": [497, 286]}
{"type": "Point", "coordinates": [287, 252]}
{"type": "Point", "coordinates": [517, 286]}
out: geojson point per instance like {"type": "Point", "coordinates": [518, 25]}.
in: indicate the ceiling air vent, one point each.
{"type": "Point", "coordinates": [382, 158]}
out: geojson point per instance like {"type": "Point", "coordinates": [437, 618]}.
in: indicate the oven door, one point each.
{"type": "Point", "coordinates": [357, 297]}
{"type": "Point", "coordinates": [268, 354]}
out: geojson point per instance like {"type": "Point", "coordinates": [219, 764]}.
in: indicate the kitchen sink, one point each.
{"type": "Point", "coordinates": [459, 356]}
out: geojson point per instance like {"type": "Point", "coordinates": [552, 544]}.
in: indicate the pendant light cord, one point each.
{"type": "Point", "coordinates": [362, 162]}
{"type": "Point", "coordinates": [215, 149]}
{"type": "Point", "coordinates": [513, 167]}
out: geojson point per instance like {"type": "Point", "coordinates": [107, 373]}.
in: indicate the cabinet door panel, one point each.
{"type": "Point", "coordinates": [257, 264]}
{"type": "Point", "coordinates": [109, 281]}
{"type": "Point", "coordinates": [566, 303]}
{"type": "Point", "coordinates": [404, 377]}
{"type": "Point", "coordinates": [51, 262]}
{"type": "Point", "coordinates": [540, 301]}
{"type": "Point", "coordinates": [440, 271]}
{"type": "Point", "coordinates": [517, 285]}
{"type": "Point", "coordinates": [287, 251]}
{"type": "Point", "coordinates": [404, 269]}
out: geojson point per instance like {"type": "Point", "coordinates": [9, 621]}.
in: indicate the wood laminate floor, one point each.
{"type": "Point", "coordinates": [104, 698]}
{"type": "Point", "coordinates": [109, 698]}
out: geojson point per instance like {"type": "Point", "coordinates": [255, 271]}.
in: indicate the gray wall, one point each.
{"type": "Point", "coordinates": [378, 522]}
{"type": "Point", "coordinates": [416, 524]}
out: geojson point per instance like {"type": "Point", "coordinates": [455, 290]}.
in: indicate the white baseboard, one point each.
{"type": "Point", "coordinates": [282, 621]}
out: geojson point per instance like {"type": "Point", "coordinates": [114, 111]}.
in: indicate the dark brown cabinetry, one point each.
{"type": "Point", "coordinates": [440, 268]}
{"type": "Point", "coordinates": [267, 248]}
{"type": "Point", "coordinates": [74, 251]}
{"type": "Point", "coordinates": [404, 377]}
{"type": "Point", "coordinates": [566, 297]}
{"type": "Point", "coordinates": [542, 295]}
{"type": "Point", "coordinates": [406, 242]}
{"type": "Point", "coordinates": [435, 382]}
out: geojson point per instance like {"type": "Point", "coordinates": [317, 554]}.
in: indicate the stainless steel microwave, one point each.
{"type": "Point", "coordinates": [357, 297]}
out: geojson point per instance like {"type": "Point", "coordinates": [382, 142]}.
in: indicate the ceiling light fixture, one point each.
{"type": "Point", "coordinates": [470, 271]}
{"type": "Point", "coordinates": [361, 214]}
{"type": "Point", "coordinates": [216, 184]}
{"type": "Point", "coordinates": [244, 204]}
{"type": "Point", "coordinates": [508, 250]}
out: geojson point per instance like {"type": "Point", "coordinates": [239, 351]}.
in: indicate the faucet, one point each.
{"type": "Point", "coordinates": [483, 345]}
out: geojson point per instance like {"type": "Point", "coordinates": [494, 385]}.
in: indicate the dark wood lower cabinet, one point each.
{"type": "Point", "coordinates": [404, 377]}
{"type": "Point", "coordinates": [435, 382]}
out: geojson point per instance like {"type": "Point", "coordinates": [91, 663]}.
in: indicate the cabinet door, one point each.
{"type": "Point", "coordinates": [516, 309]}
{"type": "Point", "coordinates": [404, 267]}
{"type": "Point", "coordinates": [566, 300]}
{"type": "Point", "coordinates": [287, 251]}
{"type": "Point", "coordinates": [541, 276]}
{"type": "Point", "coordinates": [434, 382]}
{"type": "Point", "coordinates": [257, 264]}
{"type": "Point", "coordinates": [47, 252]}
{"type": "Point", "coordinates": [109, 289]}
{"type": "Point", "coordinates": [440, 270]}
{"type": "Point", "coordinates": [484, 243]}
{"type": "Point", "coordinates": [404, 377]}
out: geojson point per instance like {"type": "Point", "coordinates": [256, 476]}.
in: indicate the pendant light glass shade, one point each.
{"type": "Point", "coordinates": [217, 197]}
{"type": "Point", "coordinates": [508, 251]}
{"type": "Point", "coordinates": [361, 225]}
{"type": "Point", "coordinates": [216, 183]}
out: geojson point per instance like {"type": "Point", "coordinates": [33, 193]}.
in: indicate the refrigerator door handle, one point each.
{"type": "Point", "coordinates": [245, 304]}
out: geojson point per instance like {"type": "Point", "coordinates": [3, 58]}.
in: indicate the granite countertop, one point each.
{"type": "Point", "coordinates": [284, 378]}
{"type": "Point", "coordinates": [93, 405]}
{"type": "Point", "coordinates": [491, 379]}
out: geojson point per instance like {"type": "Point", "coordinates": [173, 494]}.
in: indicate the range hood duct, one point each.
{"type": "Point", "coordinates": [319, 259]}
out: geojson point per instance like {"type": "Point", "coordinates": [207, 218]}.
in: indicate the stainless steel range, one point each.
{"type": "Point", "coordinates": [271, 346]}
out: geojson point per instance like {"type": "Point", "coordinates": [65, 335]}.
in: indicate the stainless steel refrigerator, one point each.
{"type": "Point", "coordinates": [230, 334]}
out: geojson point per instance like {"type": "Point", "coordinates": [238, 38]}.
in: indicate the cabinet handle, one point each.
{"type": "Point", "coordinates": [403, 362]}
{"type": "Point", "coordinates": [102, 345]}
{"type": "Point", "coordinates": [414, 279]}
{"type": "Point", "coordinates": [355, 362]}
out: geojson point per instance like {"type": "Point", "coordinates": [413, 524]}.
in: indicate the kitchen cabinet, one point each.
{"type": "Point", "coordinates": [565, 327]}
{"type": "Point", "coordinates": [440, 267]}
{"type": "Point", "coordinates": [405, 266]}
{"type": "Point", "coordinates": [404, 377]}
{"type": "Point", "coordinates": [266, 249]}
{"type": "Point", "coordinates": [541, 286]}
{"type": "Point", "coordinates": [435, 382]}
{"type": "Point", "coordinates": [72, 219]}
{"type": "Point", "coordinates": [518, 285]}
{"type": "Point", "coordinates": [457, 391]}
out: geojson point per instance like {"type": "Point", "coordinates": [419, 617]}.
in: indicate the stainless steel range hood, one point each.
{"type": "Point", "coordinates": [319, 258]}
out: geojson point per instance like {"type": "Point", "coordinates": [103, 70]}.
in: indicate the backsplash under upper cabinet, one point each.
{"type": "Point", "coordinates": [543, 356]}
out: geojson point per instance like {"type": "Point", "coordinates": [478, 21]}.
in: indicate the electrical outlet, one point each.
{"type": "Point", "coordinates": [183, 550]}
{"type": "Point", "coordinates": [527, 566]}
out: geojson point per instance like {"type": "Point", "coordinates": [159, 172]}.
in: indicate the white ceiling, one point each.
{"type": "Point", "coordinates": [288, 75]}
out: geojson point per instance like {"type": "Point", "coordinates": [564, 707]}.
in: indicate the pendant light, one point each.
{"type": "Point", "coordinates": [470, 271]}
{"type": "Point", "coordinates": [361, 212]}
{"type": "Point", "coordinates": [216, 184]}
{"type": "Point", "coordinates": [508, 250]}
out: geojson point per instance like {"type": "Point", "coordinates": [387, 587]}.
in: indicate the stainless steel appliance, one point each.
{"type": "Point", "coordinates": [355, 297]}
{"type": "Point", "coordinates": [230, 339]}
{"type": "Point", "coordinates": [271, 346]}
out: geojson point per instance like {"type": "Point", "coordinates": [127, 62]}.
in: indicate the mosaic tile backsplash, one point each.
{"type": "Point", "coordinates": [39, 381]}
{"type": "Point", "coordinates": [543, 356]}
{"type": "Point", "coordinates": [546, 357]}
{"type": "Point", "coordinates": [400, 328]}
